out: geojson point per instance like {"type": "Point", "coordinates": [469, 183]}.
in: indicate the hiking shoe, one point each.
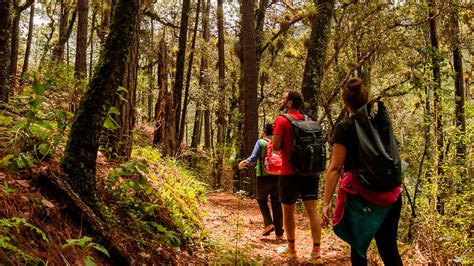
{"type": "Point", "coordinates": [287, 252]}
{"type": "Point", "coordinates": [270, 228]}
{"type": "Point", "coordinates": [315, 258]}
{"type": "Point", "coordinates": [279, 237]}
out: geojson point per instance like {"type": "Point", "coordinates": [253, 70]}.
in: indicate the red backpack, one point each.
{"type": "Point", "coordinates": [271, 162]}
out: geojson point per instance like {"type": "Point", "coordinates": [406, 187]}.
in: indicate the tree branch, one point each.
{"type": "Point", "coordinates": [151, 14]}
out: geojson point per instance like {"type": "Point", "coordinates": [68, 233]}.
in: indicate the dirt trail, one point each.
{"type": "Point", "coordinates": [228, 215]}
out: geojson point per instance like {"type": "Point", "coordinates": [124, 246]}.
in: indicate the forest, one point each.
{"type": "Point", "coordinates": [123, 122]}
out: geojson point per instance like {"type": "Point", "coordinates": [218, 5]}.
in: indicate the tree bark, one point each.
{"type": "Point", "coordinates": [249, 84]}
{"type": "Point", "coordinates": [165, 134]}
{"type": "Point", "coordinates": [6, 10]}
{"type": "Point", "coordinates": [459, 95]}
{"type": "Point", "coordinates": [79, 161]}
{"type": "Point", "coordinates": [221, 109]}
{"type": "Point", "coordinates": [315, 59]}
{"type": "Point", "coordinates": [80, 67]}
{"type": "Point", "coordinates": [65, 29]}
{"type": "Point", "coordinates": [188, 76]}
{"type": "Point", "coordinates": [178, 82]}
{"type": "Point", "coordinates": [120, 141]}
{"type": "Point", "coordinates": [17, 10]}
{"type": "Point", "coordinates": [29, 39]}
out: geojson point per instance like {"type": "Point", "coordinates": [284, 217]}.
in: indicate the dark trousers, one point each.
{"type": "Point", "coordinates": [385, 238]}
{"type": "Point", "coordinates": [268, 186]}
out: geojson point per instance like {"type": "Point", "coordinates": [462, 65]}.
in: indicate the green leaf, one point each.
{"type": "Point", "coordinates": [38, 88]}
{"type": "Point", "coordinates": [5, 120]}
{"type": "Point", "coordinates": [89, 261]}
{"type": "Point", "coordinates": [113, 110]}
{"type": "Point", "coordinates": [110, 123]}
{"type": "Point", "coordinates": [43, 148]}
{"type": "Point", "coordinates": [101, 249]}
{"type": "Point", "coordinates": [121, 88]}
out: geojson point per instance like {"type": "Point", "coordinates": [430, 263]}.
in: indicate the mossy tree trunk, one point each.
{"type": "Point", "coordinates": [119, 142]}
{"type": "Point", "coordinates": [79, 161]}
{"type": "Point", "coordinates": [6, 9]}
{"type": "Point", "coordinates": [249, 85]}
{"type": "Point", "coordinates": [80, 67]}
{"type": "Point", "coordinates": [316, 57]}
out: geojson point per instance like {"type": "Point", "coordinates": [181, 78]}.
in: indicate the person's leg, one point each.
{"type": "Point", "coordinates": [263, 190]}
{"type": "Point", "coordinates": [357, 259]}
{"type": "Point", "coordinates": [386, 236]}
{"type": "Point", "coordinates": [276, 207]}
{"type": "Point", "coordinates": [288, 195]}
{"type": "Point", "coordinates": [314, 220]}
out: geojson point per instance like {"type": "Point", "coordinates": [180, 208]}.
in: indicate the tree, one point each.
{"type": "Point", "coordinates": [6, 9]}
{"type": "Point", "coordinates": [28, 41]}
{"type": "Point", "coordinates": [80, 68]}
{"type": "Point", "coordinates": [79, 160]}
{"type": "Point", "coordinates": [459, 95]}
{"type": "Point", "coordinates": [188, 76]}
{"type": "Point", "coordinates": [221, 109]}
{"type": "Point", "coordinates": [315, 59]}
{"type": "Point", "coordinates": [249, 83]}
{"type": "Point", "coordinates": [17, 9]}
{"type": "Point", "coordinates": [65, 28]}
{"type": "Point", "coordinates": [178, 81]}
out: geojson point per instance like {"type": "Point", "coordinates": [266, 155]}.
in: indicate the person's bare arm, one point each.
{"type": "Point", "coordinates": [332, 176]}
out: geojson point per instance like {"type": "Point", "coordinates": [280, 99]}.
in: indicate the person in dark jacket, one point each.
{"type": "Point", "coordinates": [381, 209]}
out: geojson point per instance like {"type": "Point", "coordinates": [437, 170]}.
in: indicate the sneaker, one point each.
{"type": "Point", "coordinates": [270, 228]}
{"type": "Point", "coordinates": [287, 252]}
{"type": "Point", "coordinates": [315, 258]}
{"type": "Point", "coordinates": [279, 237]}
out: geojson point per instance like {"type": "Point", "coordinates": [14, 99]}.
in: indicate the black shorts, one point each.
{"type": "Point", "coordinates": [290, 186]}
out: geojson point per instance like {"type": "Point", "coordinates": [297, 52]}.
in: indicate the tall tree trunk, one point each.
{"type": "Point", "coordinates": [221, 109]}
{"type": "Point", "coordinates": [188, 77]}
{"type": "Point", "coordinates": [459, 94]}
{"type": "Point", "coordinates": [65, 29]}
{"type": "Point", "coordinates": [207, 129]}
{"type": "Point", "coordinates": [249, 84]}
{"type": "Point", "coordinates": [151, 80]}
{"type": "Point", "coordinates": [165, 134]}
{"type": "Point", "coordinates": [437, 93]}
{"type": "Point", "coordinates": [6, 10]}
{"type": "Point", "coordinates": [79, 161]}
{"type": "Point", "coordinates": [262, 8]}
{"type": "Point", "coordinates": [315, 59]}
{"type": "Point", "coordinates": [28, 41]}
{"type": "Point", "coordinates": [120, 141]}
{"type": "Point", "coordinates": [80, 67]}
{"type": "Point", "coordinates": [91, 41]}
{"type": "Point", "coordinates": [178, 81]}
{"type": "Point", "coordinates": [17, 10]}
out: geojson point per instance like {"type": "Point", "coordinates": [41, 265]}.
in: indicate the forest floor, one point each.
{"type": "Point", "coordinates": [237, 222]}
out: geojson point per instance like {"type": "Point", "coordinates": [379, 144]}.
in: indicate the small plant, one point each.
{"type": "Point", "coordinates": [8, 240]}
{"type": "Point", "coordinates": [86, 243]}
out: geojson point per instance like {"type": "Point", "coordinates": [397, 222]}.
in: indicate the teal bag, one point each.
{"type": "Point", "coordinates": [360, 222]}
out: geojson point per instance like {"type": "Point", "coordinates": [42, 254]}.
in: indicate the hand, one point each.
{"type": "Point", "coordinates": [326, 215]}
{"type": "Point", "coordinates": [243, 164]}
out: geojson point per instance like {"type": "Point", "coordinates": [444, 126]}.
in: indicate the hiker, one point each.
{"type": "Point", "coordinates": [291, 184]}
{"type": "Point", "coordinates": [378, 212]}
{"type": "Point", "coordinates": [267, 185]}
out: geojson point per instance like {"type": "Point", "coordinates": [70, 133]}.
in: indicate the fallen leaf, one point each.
{"type": "Point", "coordinates": [23, 183]}
{"type": "Point", "coordinates": [47, 203]}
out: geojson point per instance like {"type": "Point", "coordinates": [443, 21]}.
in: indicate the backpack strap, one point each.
{"type": "Point", "coordinates": [291, 119]}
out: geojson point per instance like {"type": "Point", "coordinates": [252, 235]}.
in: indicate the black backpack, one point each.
{"type": "Point", "coordinates": [379, 166]}
{"type": "Point", "coordinates": [308, 156]}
